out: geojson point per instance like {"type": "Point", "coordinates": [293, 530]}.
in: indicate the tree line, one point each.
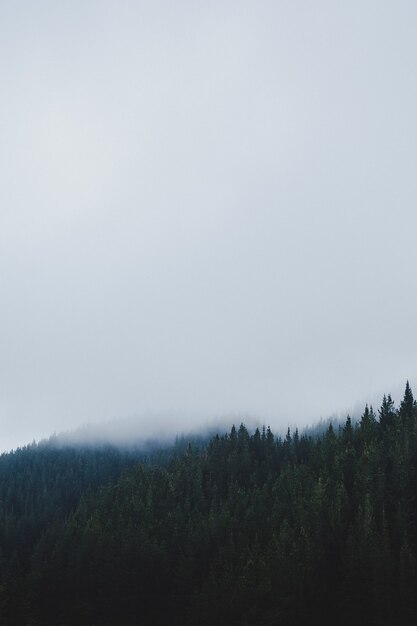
{"type": "Point", "coordinates": [245, 529]}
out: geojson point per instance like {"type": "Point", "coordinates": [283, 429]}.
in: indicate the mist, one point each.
{"type": "Point", "coordinates": [207, 211]}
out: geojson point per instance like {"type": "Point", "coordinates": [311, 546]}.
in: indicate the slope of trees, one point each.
{"type": "Point", "coordinates": [247, 530]}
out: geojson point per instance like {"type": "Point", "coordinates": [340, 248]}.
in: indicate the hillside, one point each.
{"type": "Point", "coordinates": [244, 529]}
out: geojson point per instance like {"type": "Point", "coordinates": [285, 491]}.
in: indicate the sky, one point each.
{"type": "Point", "coordinates": [207, 210]}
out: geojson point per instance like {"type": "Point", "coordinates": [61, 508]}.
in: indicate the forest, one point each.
{"type": "Point", "coordinates": [242, 528]}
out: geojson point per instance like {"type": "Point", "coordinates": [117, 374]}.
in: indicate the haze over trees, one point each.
{"type": "Point", "coordinates": [243, 528]}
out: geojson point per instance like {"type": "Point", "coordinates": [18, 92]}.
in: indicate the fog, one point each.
{"type": "Point", "coordinates": [207, 211]}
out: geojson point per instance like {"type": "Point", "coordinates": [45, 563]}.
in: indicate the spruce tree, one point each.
{"type": "Point", "coordinates": [387, 413]}
{"type": "Point", "coordinates": [408, 407]}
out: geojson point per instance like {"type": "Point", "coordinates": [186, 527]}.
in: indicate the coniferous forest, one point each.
{"type": "Point", "coordinates": [246, 529]}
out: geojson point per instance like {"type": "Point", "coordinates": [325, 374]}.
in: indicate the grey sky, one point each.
{"type": "Point", "coordinates": [206, 208]}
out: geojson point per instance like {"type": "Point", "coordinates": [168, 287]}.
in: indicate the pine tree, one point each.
{"type": "Point", "coordinates": [368, 425]}
{"type": "Point", "coordinates": [408, 407]}
{"type": "Point", "coordinates": [387, 413]}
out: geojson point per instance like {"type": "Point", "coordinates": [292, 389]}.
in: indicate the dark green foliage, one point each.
{"type": "Point", "coordinates": [247, 530]}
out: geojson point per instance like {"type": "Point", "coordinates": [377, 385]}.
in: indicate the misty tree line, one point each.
{"type": "Point", "coordinates": [246, 530]}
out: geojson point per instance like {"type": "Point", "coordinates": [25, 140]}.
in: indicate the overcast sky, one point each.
{"type": "Point", "coordinates": [206, 209]}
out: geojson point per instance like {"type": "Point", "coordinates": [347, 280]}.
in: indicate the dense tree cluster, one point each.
{"type": "Point", "coordinates": [247, 530]}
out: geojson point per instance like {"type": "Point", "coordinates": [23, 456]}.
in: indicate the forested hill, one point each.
{"type": "Point", "coordinates": [247, 530]}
